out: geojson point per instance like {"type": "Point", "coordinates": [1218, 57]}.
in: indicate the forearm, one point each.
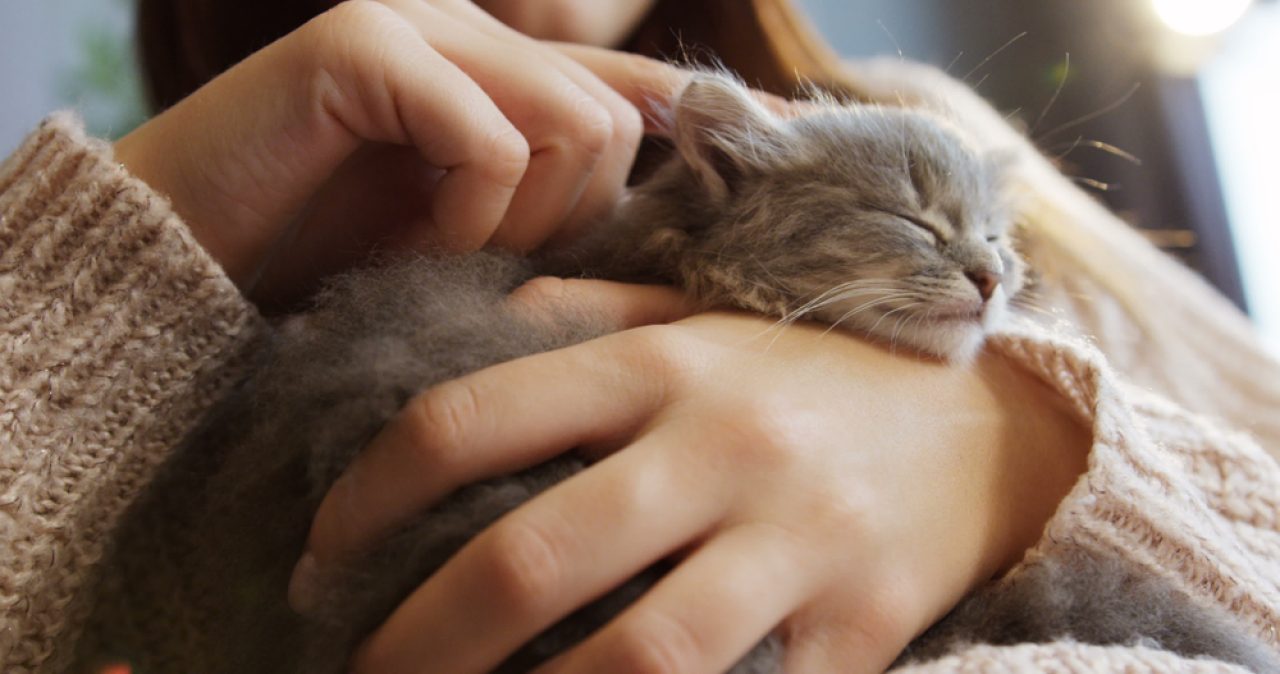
{"type": "Point", "coordinates": [116, 332]}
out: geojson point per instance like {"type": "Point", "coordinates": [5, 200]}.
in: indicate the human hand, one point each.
{"type": "Point", "coordinates": [808, 481]}
{"type": "Point", "coordinates": [395, 123]}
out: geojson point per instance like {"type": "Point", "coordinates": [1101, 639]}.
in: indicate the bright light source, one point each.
{"type": "Point", "coordinates": [1200, 17]}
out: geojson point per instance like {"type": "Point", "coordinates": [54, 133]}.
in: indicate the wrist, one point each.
{"type": "Point", "coordinates": [1005, 456]}
{"type": "Point", "coordinates": [147, 155]}
{"type": "Point", "coordinates": [238, 166]}
{"type": "Point", "coordinates": [1043, 449]}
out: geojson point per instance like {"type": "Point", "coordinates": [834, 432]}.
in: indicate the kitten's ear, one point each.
{"type": "Point", "coordinates": [724, 134]}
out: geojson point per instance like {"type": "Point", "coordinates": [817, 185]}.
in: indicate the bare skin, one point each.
{"type": "Point", "coordinates": [820, 486]}
{"type": "Point", "coordinates": [602, 24]}
{"type": "Point", "coordinates": [814, 483]}
{"type": "Point", "coordinates": [474, 134]}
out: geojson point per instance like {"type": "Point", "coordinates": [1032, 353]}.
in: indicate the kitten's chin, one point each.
{"type": "Point", "coordinates": [956, 342]}
{"type": "Point", "coordinates": [956, 339]}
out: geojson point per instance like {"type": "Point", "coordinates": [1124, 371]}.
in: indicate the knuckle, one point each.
{"type": "Point", "coordinates": [437, 423]}
{"type": "Point", "coordinates": [758, 433]}
{"type": "Point", "coordinates": [628, 126]}
{"type": "Point", "coordinates": [506, 155]}
{"type": "Point", "coordinates": [772, 422]}
{"type": "Point", "coordinates": [657, 644]}
{"type": "Point", "coordinates": [667, 343]}
{"type": "Point", "coordinates": [542, 292]}
{"type": "Point", "coordinates": [666, 351]}
{"type": "Point", "coordinates": [339, 25]}
{"type": "Point", "coordinates": [592, 126]}
{"type": "Point", "coordinates": [527, 568]}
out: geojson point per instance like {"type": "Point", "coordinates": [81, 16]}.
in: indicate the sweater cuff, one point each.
{"type": "Point", "coordinates": [117, 331]}
{"type": "Point", "coordinates": [1142, 498]}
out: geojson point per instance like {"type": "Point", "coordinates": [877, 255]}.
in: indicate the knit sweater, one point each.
{"type": "Point", "coordinates": [117, 331]}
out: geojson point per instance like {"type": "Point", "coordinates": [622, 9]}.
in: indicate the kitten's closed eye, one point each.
{"type": "Point", "coordinates": [934, 234]}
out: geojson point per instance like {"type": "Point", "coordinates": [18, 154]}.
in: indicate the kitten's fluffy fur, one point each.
{"type": "Point", "coordinates": [883, 221]}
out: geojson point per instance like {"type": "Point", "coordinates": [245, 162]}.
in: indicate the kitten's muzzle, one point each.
{"type": "Point", "coordinates": [968, 313]}
{"type": "Point", "coordinates": [985, 280]}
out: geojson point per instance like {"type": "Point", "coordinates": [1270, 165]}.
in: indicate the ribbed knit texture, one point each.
{"type": "Point", "coordinates": [1068, 658]}
{"type": "Point", "coordinates": [116, 332]}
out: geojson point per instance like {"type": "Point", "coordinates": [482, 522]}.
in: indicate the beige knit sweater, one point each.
{"type": "Point", "coordinates": [117, 331]}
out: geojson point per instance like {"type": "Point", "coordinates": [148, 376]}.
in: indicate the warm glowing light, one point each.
{"type": "Point", "coordinates": [1200, 17]}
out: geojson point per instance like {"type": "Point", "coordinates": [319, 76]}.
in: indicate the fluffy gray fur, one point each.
{"type": "Point", "coordinates": [884, 221]}
{"type": "Point", "coordinates": [1085, 596]}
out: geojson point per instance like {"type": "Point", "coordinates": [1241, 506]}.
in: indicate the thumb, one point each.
{"type": "Point", "coordinates": [623, 305]}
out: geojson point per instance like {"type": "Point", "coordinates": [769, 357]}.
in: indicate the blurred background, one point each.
{"type": "Point", "coordinates": [1168, 110]}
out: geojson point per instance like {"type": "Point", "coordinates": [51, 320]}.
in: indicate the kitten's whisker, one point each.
{"type": "Point", "coordinates": [836, 292]}
{"type": "Point", "coordinates": [824, 297]}
{"type": "Point", "coordinates": [1066, 71]}
{"type": "Point", "coordinates": [1099, 145]}
{"type": "Point", "coordinates": [791, 317]}
{"type": "Point", "coordinates": [992, 55]}
{"type": "Point", "coordinates": [793, 314]}
{"type": "Point", "coordinates": [1094, 115]}
{"type": "Point", "coordinates": [842, 297]}
{"type": "Point", "coordinates": [904, 307]}
{"type": "Point", "coordinates": [896, 295]}
{"type": "Point", "coordinates": [893, 336]}
{"type": "Point", "coordinates": [894, 40]}
{"type": "Point", "coordinates": [1095, 184]}
{"type": "Point", "coordinates": [875, 325]}
{"type": "Point", "coordinates": [1070, 148]}
{"type": "Point", "coordinates": [860, 308]}
{"type": "Point", "coordinates": [902, 322]}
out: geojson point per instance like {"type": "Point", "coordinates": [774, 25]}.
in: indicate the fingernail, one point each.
{"type": "Point", "coordinates": [304, 585]}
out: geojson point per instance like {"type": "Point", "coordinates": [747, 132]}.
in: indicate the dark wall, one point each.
{"type": "Point", "coordinates": [1113, 93]}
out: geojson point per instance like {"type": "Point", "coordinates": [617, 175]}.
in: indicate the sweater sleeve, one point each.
{"type": "Point", "coordinates": [1174, 493]}
{"type": "Point", "coordinates": [116, 332]}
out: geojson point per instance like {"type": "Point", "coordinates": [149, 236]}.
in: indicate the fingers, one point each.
{"type": "Point", "coordinates": [565, 130]}
{"type": "Point", "coordinates": [610, 177]}
{"type": "Point", "coordinates": [621, 305]}
{"type": "Point", "coordinates": [841, 646]}
{"type": "Point", "coordinates": [647, 84]}
{"type": "Point", "coordinates": [627, 128]}
{"type": "Point", "coordinates": [541, 562]}
{"type": "Point", "coordinates": [652, 85]}
{"type": "Point", "coordinates": [706, 614]}
{"type": "Point", "coordinates": [428, 102]}
{"type": "Point", "coordinates": [486, 424]}
{"type": "Point", "coordinates": [582, 136]}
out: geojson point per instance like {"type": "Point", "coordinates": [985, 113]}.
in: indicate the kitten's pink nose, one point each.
{"type": "Point", "coordinates": [985, 281]}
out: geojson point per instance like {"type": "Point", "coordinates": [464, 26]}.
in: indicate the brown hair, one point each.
{"type": "Point", "coordinates": [186, 43]}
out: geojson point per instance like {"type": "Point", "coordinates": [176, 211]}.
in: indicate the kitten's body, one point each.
{"type": "Point", "coordinates": [882, 221]}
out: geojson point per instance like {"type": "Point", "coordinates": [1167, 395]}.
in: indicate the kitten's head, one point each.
{"type": "Point", "coordinates": [885, 221]}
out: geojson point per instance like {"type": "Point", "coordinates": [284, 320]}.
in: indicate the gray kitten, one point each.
{"type": "Point", "coordinates": [883, 221]}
